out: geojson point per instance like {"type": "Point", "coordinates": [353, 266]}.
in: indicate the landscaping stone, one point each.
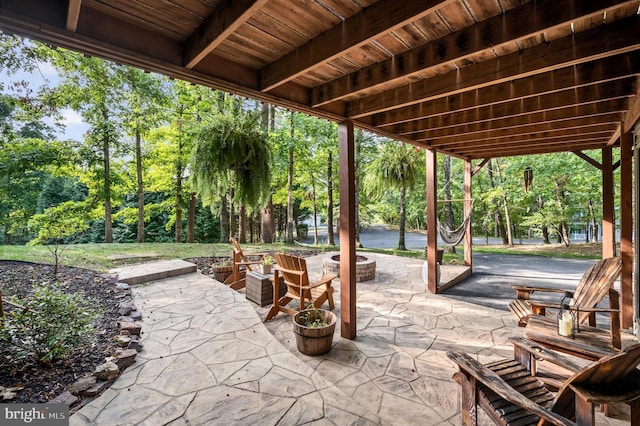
{"type": "Point", "coordinates": [125, 318]}
{"type": "Point", "coordinates": [123, 341]}
{"type": "Point", "coordinates": [82, 384]}
{"type": "Point", "coordinates": [135, 345]}
{"type": "Point", "coordinates": [64, 398]}
{"type": "Point", "coordinates": [136, 315]}
{"type": "Point", "coordinates": [123, 286]}
{"type": "Point", "coordinates": [95, 390]}
{"type": "Point", "coordinates": [125, 308]}
{"type": "Point", "coordinates": [124, 358]}
{"type": "Point", "coordinates": [106, 371]}
{"type": "Point", "coordinates": [130, 327]}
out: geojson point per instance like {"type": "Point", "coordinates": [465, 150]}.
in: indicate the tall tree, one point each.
{"type": "Point", "coordinates": [395, 167]}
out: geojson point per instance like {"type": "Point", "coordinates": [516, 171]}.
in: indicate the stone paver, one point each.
{"type": "Point", "coordinates": [208, 359]}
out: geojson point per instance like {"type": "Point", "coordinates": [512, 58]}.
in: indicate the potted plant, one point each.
{"type": "Point", "coordinates": [267, 263]}
{"type": "Point", "coordinates": [314, 330]}
{"type": "Point", "coordinates": [221, 268]}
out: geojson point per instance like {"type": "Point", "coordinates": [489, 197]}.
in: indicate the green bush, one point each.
{"type": "Point", "coordinates": [52, 324]}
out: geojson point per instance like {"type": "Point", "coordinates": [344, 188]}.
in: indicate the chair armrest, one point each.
{"type": "Point", "coordinates": [290, 271]}
{"type": "Point", "coordinates": [533, 289]}
{"type": "Point", "coordinates": [494, 382]}
{"type": "Point", "coordinates": [541, 353]}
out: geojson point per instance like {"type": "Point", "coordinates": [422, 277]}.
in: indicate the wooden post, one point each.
{"type": "Point", "coordinates": [468, 236]}
{"type": "Point", "coordinates": [346, 163]}
{"type": "Point", "coordinates": [626, 229]}
{"type": "Point", "coordinates": [432, 231]}
{"type": "Point", "coordinates": [636, 283]}
{"type": "Point", "coordinates": [608, 236]}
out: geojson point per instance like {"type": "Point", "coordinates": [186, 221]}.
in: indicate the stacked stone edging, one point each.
{"type": "Point", "coordinates": [365, 267]}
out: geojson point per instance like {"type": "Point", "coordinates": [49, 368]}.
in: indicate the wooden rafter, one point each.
{"type": "Point", "coordinates": [590, 45]}
{"type": "Point", "coordinates": [73, 14]}
{"type": "Point", "coordinates": [532, 18]}
{"type": "Point", "coordinates": [382, 17]}
{"type": "Point", "coordinates": [225, 19]}
{"type": "Point", "coordinates": [633, 111]}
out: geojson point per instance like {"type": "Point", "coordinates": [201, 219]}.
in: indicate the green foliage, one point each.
{"type": "Point", "coordinates": [52, 324]}
{"type": "Point", "coordinates": [396, 166]}
{"type": "Point", "coordinates": [59, 222]}
{"type": "Point", "coordinates": [313, 318]}
{"type": "Point", "coordinates": [232, 151]}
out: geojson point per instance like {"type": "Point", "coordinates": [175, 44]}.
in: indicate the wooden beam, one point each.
{"type": "Point", "coordinates": [478, 153]}
{"type": "Point", "coordinates": [615, 67]}
{"type": "Point", "coordinates": [633, 114]}
{"type": "Point", "coordinates": [615, 136]}
{"type": "Point", "coordinates": [626, 230]}
{"type": "Point", "coordinates": [227, 17]}
{"type": "Point", "coordinates": [546, 100]}
{"type": "Point", "coordinates": [479, 167]}
{"type": "Point", "coordinates": [586, 46]}
{"type": "Point", "coordinates": [346, 162]}
{"type": "Point", "coordinates": [608, 219]}
{"type": "Point", "coordinates": [588, 159]}
{"type": "Point", "coordinates": [495, 148]}
{"type": "Point", "coordinates": [536, 108]}
{"type": "Point", "coordinates": [555, 128]}
{"type": "Point", "coordinates": [432, 231]}
{"type": "Point", "coordinates": [468, 205]}
{"type": "Point", "coordinates": [73, 14]}
{"type": "Point", "coordinates": [381, 17]}
{"type": "Point", "coordinates": [513, 25]}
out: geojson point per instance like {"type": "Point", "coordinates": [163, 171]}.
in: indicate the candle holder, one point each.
{"type": "Point", "coordinates": [567, 317]}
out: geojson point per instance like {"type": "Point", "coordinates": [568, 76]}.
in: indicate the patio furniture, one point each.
{"type": "Point", "coordinates": [240, 266]}
{"type": "Point", "coordinates": [293, 270]}
{"type": "Point", "coordinates": [595, 284]}
{"type": "Point", "coordinates": [510, 394]}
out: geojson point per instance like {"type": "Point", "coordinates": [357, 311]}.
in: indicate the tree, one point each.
{"type": "Point", "coordinates": [395, 167]}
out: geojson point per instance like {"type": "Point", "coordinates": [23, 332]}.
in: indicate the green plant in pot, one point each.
{"type": "Point", "coordinates": [314, 330]}
{"type": "Point", "coordinates": [221, 268]}
{"type": "Point", "coordinates": [267, 264]}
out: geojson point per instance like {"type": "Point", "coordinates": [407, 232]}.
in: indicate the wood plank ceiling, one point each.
{"type": "Point", "coordinates": [470, 78]}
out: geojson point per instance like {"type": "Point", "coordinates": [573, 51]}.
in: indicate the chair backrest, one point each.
{"type": "Point", "coordinates": [595, 284]}
{"type": "Point", "coordinates": [288, 264]}
{"type": "Point", "coordinates": [237, 251]}
{"type": "Point", "coordinates": [607, 370]}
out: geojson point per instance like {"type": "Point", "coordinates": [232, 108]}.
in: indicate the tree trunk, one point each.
{"type": "Point", "coordinates": [448, 208]}
{"type": "Point", "coordinates": [179, 200]}
{"type": "Point", "coordinates": [594, 225]}
{"type": "Point", "coordinates": [358, 143]}
{"type": "Point", "coordinates": [403, 218]}
{"type": "Point", "coordinates": [497, 214]}
{"type": "Point", "coordinates": [224, 219]}
{"type": "Point", "coordinates": [233, 221]}
{"type": "Point", "coordinates": [315, 209]}
{"type": "Point", "coordinates": [290, 218]}
{"type": "Point", "coordinates": [330, 237]}
{"type": "Point", "coordinates": [266, 228]}
{"type": "Point", "coordinates": [140, 236]}
{"type": "Point", "coordinates": [191, 218]}
{"type": "Point", "coordinates": [108, 224]}
{"type": "Point", "coordinates": [242, 231]}
{"type": "Point", "coordinates": [507, 216]}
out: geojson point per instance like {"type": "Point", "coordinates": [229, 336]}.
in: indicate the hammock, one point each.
{"type": "Point", "coordinates": [453, 238]}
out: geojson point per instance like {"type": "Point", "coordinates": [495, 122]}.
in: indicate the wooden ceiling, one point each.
{"type": "Point", "coordinates": [470, 78]}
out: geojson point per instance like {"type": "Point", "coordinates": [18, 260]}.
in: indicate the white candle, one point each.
{"type": "Point", "coordinates": [565, 325]}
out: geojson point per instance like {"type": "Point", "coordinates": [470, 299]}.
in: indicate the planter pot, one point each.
{"type": "Point", "coordinates": [314, 340]}
{"type": "Point", "coordinates": [221, 273]}
{"type": "Point", "coordinates": [265, 269]}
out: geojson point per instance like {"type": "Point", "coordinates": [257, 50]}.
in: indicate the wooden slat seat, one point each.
{"type": "Point", "coordinates": [240, 266]}
{"type": "Point", "coordinates": [511, 395]}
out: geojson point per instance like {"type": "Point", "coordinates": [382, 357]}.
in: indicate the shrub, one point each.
{"type": "Point", "coordinates": [52, 324]}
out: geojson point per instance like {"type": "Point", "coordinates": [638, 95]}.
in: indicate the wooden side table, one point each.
{"type": "Point", "coordinates": [259, 289]}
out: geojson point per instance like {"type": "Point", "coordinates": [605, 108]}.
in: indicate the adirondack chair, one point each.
{"type": "Point", "coordinates": [294, 272]}
{"type": "Point", "coordinates": [595, 284]}
{"type": "Point", "coordinates": [510, 394]}
{"type": "Point", "coordinates": [240, 266]}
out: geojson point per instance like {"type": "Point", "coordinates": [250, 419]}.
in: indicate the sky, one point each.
{"type": "Point", "coordinates": [46, 74]}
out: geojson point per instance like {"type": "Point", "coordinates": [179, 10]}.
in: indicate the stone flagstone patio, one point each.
{"type": "Point", "coordinates": [208, 359]}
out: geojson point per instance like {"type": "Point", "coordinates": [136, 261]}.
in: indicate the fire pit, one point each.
{"type": "Point", "coordinates": [365, 267]}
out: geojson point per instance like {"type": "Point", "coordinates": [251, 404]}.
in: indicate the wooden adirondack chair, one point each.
{"type": "Point", "coordinates": [595, 284]}
{"type": "Point", "coordinates": [294, 272]}
{"type": "Point", "coordinates": [240, 266]}
{"type": "Point", "coordinates": [510, 394]}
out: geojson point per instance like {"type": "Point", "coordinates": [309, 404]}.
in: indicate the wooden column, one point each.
{"type": "Point", "coordinates": [636, 283]}
{"type": "Point", "coordinates": [346, 163]}
{"type": "Point", "coordinates": [608, 236]}
{"type": "Point", "coordinates": [626, 229]}
{"type": "Point", "coordinates": [432, 230]}
{"type": "Point", "coordinates": [468, 237]}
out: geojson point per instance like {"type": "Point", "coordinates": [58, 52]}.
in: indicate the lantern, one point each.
{"type": "Point", "coordinates": [567, 318]}
{"type": "Point", "coordinates": [528, 178]}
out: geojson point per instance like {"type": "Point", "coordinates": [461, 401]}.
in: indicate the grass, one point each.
{"type": "Point", "coordinates": [102, 257]}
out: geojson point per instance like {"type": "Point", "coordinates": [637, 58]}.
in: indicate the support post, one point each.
{"type": "Point", "coordinates": [346, 161]}
{"type": "Point", "coordinates": [636, 283]}
{"type": "Point", "coordinates": [608, 236]}
{"type": "Point", "coordinates": [468, 237]}
{"type": "Point", "coordinates": [432, 231]}
{"type": "Point", "coordinates": [626, 229]}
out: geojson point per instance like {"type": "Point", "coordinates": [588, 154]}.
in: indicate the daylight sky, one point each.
{"type": "Point", "coordinates": [75, 127]}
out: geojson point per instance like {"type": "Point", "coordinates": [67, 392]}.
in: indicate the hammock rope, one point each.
{"type": "Point", "coordinates": [453, 238]}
